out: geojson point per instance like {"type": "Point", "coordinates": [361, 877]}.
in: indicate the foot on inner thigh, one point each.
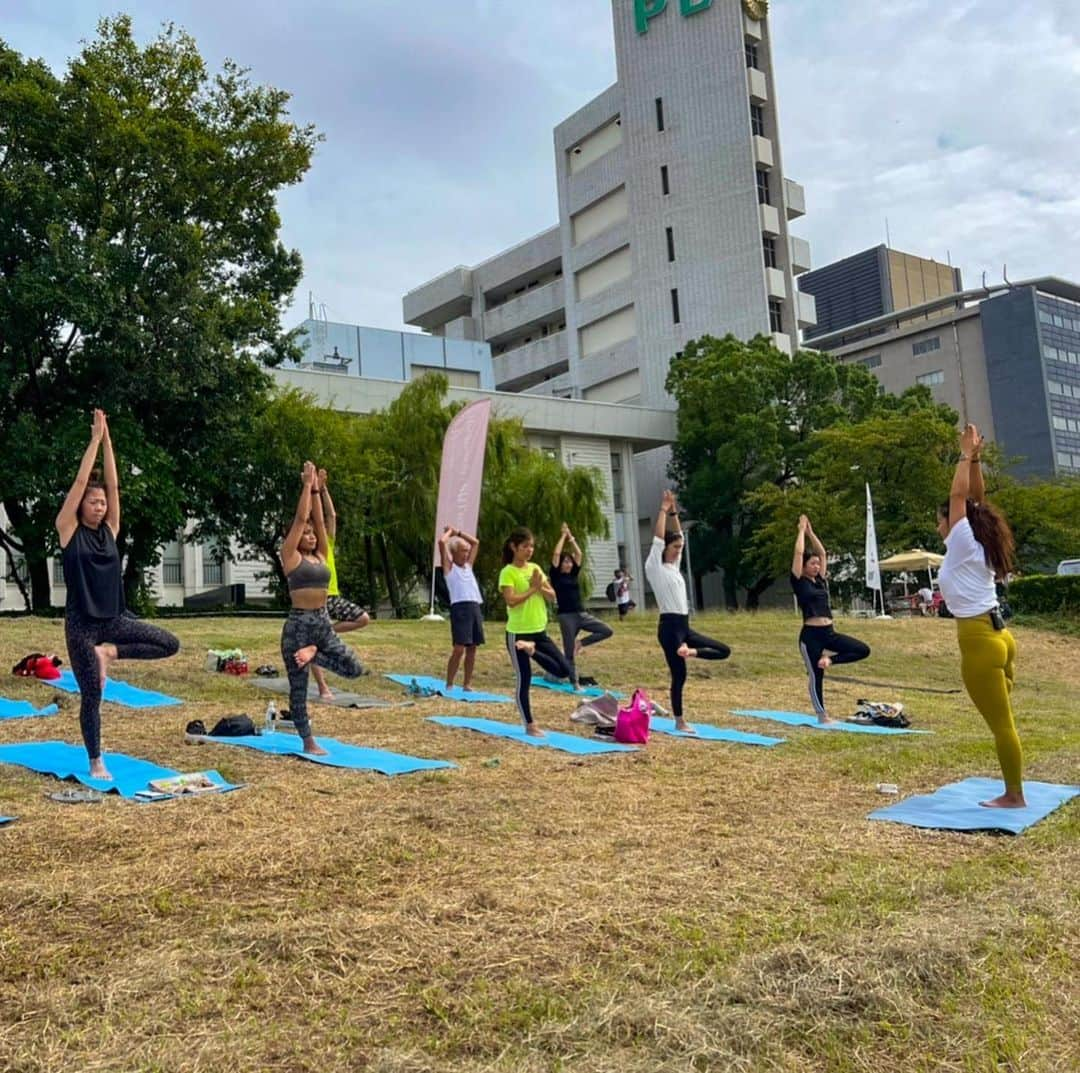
{"type": "Point", "coordinates": [98, 770]}
{"type": "Point", "coordinates": [686, 651]}
{"type": "Point", "coordinates": [824, 663]}
{"type": "Point", "coordinates": [525, 646]}
{"type": "Point", "coordinates": [105, 654]}
{"type": "Point", "coordinates": [305, 655]}
{"type": "Point", "coordinates": [1006, 800]}
{"type": "Point", "coordinates": [579, 647]}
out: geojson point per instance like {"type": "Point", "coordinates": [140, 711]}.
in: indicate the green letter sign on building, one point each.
{"type": "Point", "coordinates": [646, 10]}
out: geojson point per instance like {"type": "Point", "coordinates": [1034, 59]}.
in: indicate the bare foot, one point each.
{"type": "Point", "coordinates": [686, 651]}
{"type": "Point", "coordinates": [525, 646]}
{"type": "Point", "coordinates": [305, 655]}
{"type": "Point", "coordinates": [824, 663]}
{"type": "Point", "coordinates": [826, 720]}
{"type": "Point", "coordinates": [466, 687]}
{"type": "Point", "coordinates": [105, 653]}
{"type": "Point", "coordinates": [1006, 800]}
{"type": "Point", "coordinates": [533, 731]}
{"type": "Point", "coordinates": [684, 726]}
{"type": "Point", "coordinates": [98, 770]}
{"type": "Point", "coordinates": [313, 748]}
{"type": "Point", "coordinates": [579, 647]}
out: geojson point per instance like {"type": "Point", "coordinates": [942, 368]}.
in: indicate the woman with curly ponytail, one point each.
{"type": "Point", "coordinates": [979, 551]}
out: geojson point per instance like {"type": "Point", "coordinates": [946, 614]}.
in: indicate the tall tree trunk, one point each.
{"type": "Point", "coordinates": [369, 566]}
{"type": "Point", "coordinates": [391, 581]}
{"type": "Point", "coordinates": [39, 597]}
{"type": "Point", "coordinates": [753, 593]}
{"type": "Point", "coordinates": [731, 598]}
{"type": "Point", "coordinates": [40, 589]}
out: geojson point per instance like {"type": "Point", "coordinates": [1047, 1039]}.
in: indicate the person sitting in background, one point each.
{"type": "Point", "coordinates": [926, 601]}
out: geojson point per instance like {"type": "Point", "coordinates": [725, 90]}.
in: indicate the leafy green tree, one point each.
{"type": "Point", "coordinates": [140, 271]}
{"type": "Point", "coordinates": [1045, 519]}
{"type": "Point", "coordinates": [750, 420]}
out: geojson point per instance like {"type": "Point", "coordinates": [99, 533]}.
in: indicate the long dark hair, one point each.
{"type": "Point", "coordinates": [993, 534]}
{"type": "Point", "coordinates": [518, 536]}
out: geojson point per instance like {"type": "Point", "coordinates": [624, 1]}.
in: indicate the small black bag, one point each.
{"type": "Point", "coordinates": [233, 726]}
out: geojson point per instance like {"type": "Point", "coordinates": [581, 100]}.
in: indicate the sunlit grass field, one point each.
{"type": "Point", "coordinates": [693, 906]}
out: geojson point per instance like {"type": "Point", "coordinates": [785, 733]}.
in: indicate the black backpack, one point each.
{"type": "Point", "coordinates": [233, 726]}
{"type": "Point", "coordinates": [609, 592]}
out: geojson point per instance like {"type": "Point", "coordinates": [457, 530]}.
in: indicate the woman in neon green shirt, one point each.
{"type": "Point", "coordinates": [526, 591]}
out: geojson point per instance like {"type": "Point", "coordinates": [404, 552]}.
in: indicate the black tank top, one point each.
{"type": "Point", "coordinates": [92, 573]}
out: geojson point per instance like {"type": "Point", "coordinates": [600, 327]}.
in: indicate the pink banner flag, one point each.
{"type": "Point", "coordinates": [462, 473]}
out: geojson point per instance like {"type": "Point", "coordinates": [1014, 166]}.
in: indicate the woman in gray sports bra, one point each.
{"type": "Point", "coordinates": [308, 636]}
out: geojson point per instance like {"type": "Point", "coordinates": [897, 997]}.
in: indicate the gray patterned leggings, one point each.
{"type": "Point", "coordinates": [303, 628]}
{"type": "Point", "coordinates": [133, 638]}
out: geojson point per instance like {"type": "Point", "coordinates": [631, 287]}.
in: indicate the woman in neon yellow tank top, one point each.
{"type": "Point", "coordinates": [526, 590]}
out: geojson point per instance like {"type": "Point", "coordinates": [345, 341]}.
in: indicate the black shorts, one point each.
{"type": "Point", "coordinates": [467, 623]}
{"type": "Point", "coordinates": [626, 608]}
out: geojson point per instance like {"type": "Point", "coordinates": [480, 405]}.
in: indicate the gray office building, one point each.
{"type": "Point", "coordinates": [673, 219]}
{"type": "Point", "coordinates": [1006, 358]}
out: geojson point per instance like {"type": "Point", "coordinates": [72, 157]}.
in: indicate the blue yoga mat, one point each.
{"type": "Point", "coordinates": [7, 819]}
{"type": "Point", "coordinates": [129, 773]}
{"type": "Point", "coordinates": [956, 807]}
{"type": "Point", "coordinates": [22, 709]}
{"type": "Point", "coordinates": [339, 753]}
{"type": "Point", "coordinates": [455, 693]}
{"type": "Point", "coordinates": [801, 719]}
{"type": "Point", "coordinates": [707, 732]}
{"type": "Point", "coordinates": [117, 692]}
{"type": "Point", "coordinates": [566, 687]}
{"type": "Point", "coordinates": [552, 739]}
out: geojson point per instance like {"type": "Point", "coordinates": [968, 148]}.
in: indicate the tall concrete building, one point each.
{"type": "Point", "coordinates": [673, 219]}
{"type": "Point", "coordinates": [873, 283]}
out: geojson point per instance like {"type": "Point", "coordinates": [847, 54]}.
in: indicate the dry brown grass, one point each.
{"type": "Point", "coordinates": [692, 907]}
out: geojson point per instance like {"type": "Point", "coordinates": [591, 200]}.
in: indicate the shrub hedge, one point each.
{"type": "Point", "coordinates": [1046, 594]}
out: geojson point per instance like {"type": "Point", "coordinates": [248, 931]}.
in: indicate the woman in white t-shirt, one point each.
{"type": "Point", "coordinates": [979, 550]}
{"type": "Point", "coordinates": [676, 638]}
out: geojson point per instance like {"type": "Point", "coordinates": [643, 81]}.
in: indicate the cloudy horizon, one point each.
{"type": "Point", "coordinates": [957, 130]}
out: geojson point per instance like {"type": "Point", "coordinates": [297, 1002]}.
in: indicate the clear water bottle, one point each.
{"type": "Point", "coordinates": [270, 722]}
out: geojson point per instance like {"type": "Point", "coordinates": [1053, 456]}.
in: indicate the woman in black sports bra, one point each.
{"type": "Point", "coordinates": [308, 635]}
{"type": "Point", "coordinates": [818, 638]}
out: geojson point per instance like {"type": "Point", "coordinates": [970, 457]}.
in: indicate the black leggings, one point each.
{"type": "Point", "coordinates": [814, 642]}
{"type": "Point", "coordinates": [571, 623]}
{"type": "Point", "coordinates": [303, 628]}
{"type": "Point", "coordinates": [672, 632]}
{"type": "Point", "coordinates": [133, 640]}
{"type": "Point", "coordinates": [547, 655]}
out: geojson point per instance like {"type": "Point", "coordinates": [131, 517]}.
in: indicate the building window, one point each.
{"type": "Point", "coordinates": [871, 362]}
{"type": "Point", "coordinates": [213, 569]}
{"type": "Point", "coordinates": [17, 568]}
{"type": "Point", "coordinates": [659, 113]}
{"type": "Point", "coordinates": [58, 571]}
{"type": "Point", "coordinates": [926, 346]}
{"type": "Point", "coordinates": [670, 244]}
{"type": "Point", "coordinates": [752, 55]}
{"type": "Point", "coordinates": [930, 379]}
{"type": "Point", "coordinates": [757, 119]}
{"type": "Point", "coordinates": [768, 247]}
{"type": "Point", "coordinates": [763, 195]}
{"type": "Point", "coordinates": [776, 315]}
{"type": "Point", "coordinates": [172, 562]}
{"type": "Point", "coordinates": [616, 482]}
{"type": "Point", "coordinates": [665, 186]}
{"type": "Point", "coordinates": [675, 305]}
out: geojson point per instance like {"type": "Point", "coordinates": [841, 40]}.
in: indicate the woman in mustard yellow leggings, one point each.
{"type": "Point", "coordinates": [979, 550]}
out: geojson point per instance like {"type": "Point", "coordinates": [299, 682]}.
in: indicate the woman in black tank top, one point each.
{"type": "Point", "coordinates": [97, 626]}
{"type": "Point", "coordinates": [821, 646]}
{"type": "Point", "coordinates": [308, 637]}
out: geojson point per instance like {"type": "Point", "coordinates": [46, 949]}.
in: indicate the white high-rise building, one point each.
{"type": "Point", "coordinates": [673, 219]}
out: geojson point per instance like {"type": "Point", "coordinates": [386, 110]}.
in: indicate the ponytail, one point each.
{"type": "Point", "coordinates": [518, 536]}
{"type": "Point", "coordinates": [993, 533]}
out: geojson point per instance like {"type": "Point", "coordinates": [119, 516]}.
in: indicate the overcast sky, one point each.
{"type": "Point", "coordinates": [959, 122]}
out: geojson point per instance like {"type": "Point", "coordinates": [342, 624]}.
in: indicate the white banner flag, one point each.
{"type": "Point", "coordinates": [873, 573]}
